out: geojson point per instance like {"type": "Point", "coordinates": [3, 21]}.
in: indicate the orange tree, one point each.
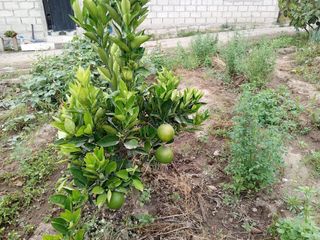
{"type": "Point", "coordinates": [107, 131]}
{"type": "Point", "coordinates": [303, 14]}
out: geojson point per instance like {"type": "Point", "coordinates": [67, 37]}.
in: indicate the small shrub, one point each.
{"type": "Point", "coordinates": [10, 34]}
{"type": "Point", "coordinates": [199, 53]}
{"type": "Point", "coordinates": [233, 54]}
{"type": "Point", "coordinates": [303, 226]}
{"type": "Point", "coordinates": [259, 64]}
{"type": "Point", "coordinates": [275, 108]}
{"type": "Point", "coordinates": [203, 47]}
{"type": "Point", "coordinates": [185, 59]}
{"type": "Point", "coordinates": [256, 152]}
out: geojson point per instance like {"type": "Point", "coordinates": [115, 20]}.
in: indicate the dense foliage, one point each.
{"type": "Point", "coordinates": [107, 130]}
{"type": "Point", "coordinates": [256, 150]}
{"type": "Point", "coordinates": [51, 75]}
{"type": "Point", "coordinates": [303, 14]}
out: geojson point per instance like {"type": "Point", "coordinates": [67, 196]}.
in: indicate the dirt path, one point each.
{"type": "Point", "coordinates": [297, 173]}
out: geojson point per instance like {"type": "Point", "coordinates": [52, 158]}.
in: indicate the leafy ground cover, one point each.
{"type": "Point", "coordinates": [200, 194]}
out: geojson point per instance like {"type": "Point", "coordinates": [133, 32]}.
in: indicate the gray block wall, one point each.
{"type": "Point", "coordinates": [172, 16]}
{"type": "Point", "coordinates": [166, 17]}
{"type": "Point", "coordinates": [18, 15]}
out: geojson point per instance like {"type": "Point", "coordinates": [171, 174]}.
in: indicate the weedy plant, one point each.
{"type": "Point", "coordinates": [259, 64]}
{"type": "Point", "coordinates": [256, 151]}
{"type": "Point", "coordinates": [199, 53]}
{"type": "Point", "coordinates": [302, 226]}
{"type": "Point", "coordinates": [233, 54]}
{"type": "Point", "coordinates": [107, 129]}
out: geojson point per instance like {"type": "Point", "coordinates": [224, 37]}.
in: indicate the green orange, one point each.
{"type": "Point", "coordinates": [164, 155]}
{"type": "Point", "coordinates": [165, 132]}
{"type": "Point", "coordinates": [116, 201]}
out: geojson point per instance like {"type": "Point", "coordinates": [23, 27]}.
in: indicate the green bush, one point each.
{"type": "Point", "coordinates": [199, 53]}
{"type": "Point", "coordinates": [233, 54]}
{"type": "Point", "coordinates": [259, 64]}
{"type": "Point", "coordinates": [256, 151]}
{"type": "Point", "coordinates": [203, 47]}
{"type": "Point", "coordinates": [275, 108]}
{"type": "Point", "coordinates": [303, 14]}
{"type": "Point", "coordinates": [51, 75]}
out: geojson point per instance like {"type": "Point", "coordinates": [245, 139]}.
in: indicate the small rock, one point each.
{"type": "Point", "coordinates": [18, 183]}
{"type": "Point", "coordinates": [212, 188]}
{"type": "Point", "coordinates": [216, 153]}
{"type": "Point", "coordinates": [288, 50]}
{"type": "Point", "coordinates": [218, 64]}
{"type": "Point", "coordinates": [44, 228]}
{"type": "Point", "coordinates": [44, 136]}
{"type": "Point", "coordinates": [284, 180]}
{"type": "Point", "coordinates": [255, 230]}
{"type": "Point", "coordinates": [254, 210]}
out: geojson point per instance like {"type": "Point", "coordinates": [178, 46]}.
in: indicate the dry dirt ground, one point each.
{"type": "Point", "coordinates": [188, 199]}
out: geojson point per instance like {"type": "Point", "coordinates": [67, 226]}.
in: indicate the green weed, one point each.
{"type": "Point", "coordinates": [233, 54]}
{"type": "Point", "coordinates": [303, 226]}
{"type": "Point", "coordinates": [256, 151]}
{"type": "Point", "coordinates": [259, 64]}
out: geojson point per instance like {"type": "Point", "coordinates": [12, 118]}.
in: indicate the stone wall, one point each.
{"type": "Point", "coordinates": [18, 15]}
{"type": "Point", "coordinates": [172, 16]}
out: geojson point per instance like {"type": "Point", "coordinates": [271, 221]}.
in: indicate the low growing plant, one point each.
{"type": "Point", "coordinates": [302, 226]}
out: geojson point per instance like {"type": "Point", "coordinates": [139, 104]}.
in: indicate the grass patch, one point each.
{"type": "Point", "coordinates": [34, 171]}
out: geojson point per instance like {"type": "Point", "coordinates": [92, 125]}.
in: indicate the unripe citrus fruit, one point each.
{"type": "Point", "coordinates": [116, 201]}
{"type": "Point", "coordinates": [165, 132]}
{"type": "Point", "coordinates": [164, 155]}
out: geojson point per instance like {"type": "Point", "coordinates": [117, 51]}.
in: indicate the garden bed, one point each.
{"type": "Point", "coordinates": [188, 199]}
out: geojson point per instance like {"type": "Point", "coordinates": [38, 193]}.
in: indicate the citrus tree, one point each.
{"type": "Point", "coordinates": [109, 130]}
{"type": "Point", "coordinates": [303, 14]}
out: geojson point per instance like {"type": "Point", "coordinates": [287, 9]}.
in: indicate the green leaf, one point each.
{"type": "Point", "coordinates": [132, 144]}
{"type": "Point", "coordinates": [97, 190]}
{"type": "Point", "coordinates": [108, 141]}
{"type": "Point", "coordinates": [109, 195]}
{"type": "Point", "coordinates": [59, 200]}
{"type": "Point", "coordinates": [79, 235]}
{"type": "Point", "coordinates": [123, 174]}
{"type": "Point", "coordinates": [69, 126]}
{"type": "Point", "coordinates": [51, 237]}
{"type": "Point", "coordinates": [111, 167]}
{"type": "Point", "coordinates": [60, 225]}
{"type": "Point", "coordinates": [138, 184]}
{"type": "Point", "coordinates": [101, 199]}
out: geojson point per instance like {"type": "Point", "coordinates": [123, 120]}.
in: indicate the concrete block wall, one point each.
{"type": "Point", "coordinates": [18, 15]}
{"type": "Point", "coordinates": [166, 17]}
{"type": "Point", "coordinates": [172, 16]}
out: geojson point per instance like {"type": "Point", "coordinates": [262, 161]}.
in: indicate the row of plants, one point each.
{"type": "Point", "coordinates": [108, 129]}
{"type": "Point", "coordinates": [263, 120]}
